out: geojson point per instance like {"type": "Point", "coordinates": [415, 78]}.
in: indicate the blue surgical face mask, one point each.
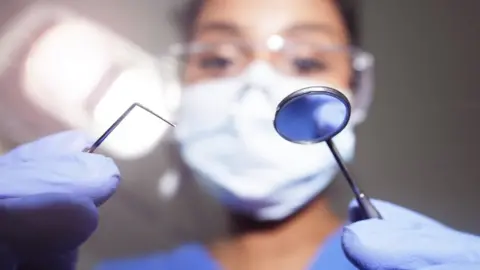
{"type": "Point", "coordinates": [225, 130]}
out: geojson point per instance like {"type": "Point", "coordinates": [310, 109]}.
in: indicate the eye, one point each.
{"type": "Point", "coordinates": [308, 65]}
{"type": "Point", "coordinates": [215, 62]}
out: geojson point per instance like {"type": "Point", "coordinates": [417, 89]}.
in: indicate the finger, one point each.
{"type": "Point", "coordinates": [7, 259]}
{"type": "Point", "coordinates": [380, 244]}
{"type": "Point", "coordinates": [66, 261]}
{"type": "Point", "coordinates": [46, 224]}
{"type": "Point", "coordinates": [82, 174]}
{"type": "Point", "coordinates": [54, 145]}
{"type": "Point", "coordinates": [394, 213]}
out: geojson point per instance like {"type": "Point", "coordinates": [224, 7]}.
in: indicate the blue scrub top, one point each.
{"type": "Point", "coordinates": [195, 256]}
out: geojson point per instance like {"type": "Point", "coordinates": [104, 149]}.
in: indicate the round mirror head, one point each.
{"type": "Point", "coordinates": [312, 115]}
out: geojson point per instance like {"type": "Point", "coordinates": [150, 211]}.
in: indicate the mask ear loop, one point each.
{"type": "Point", "coordinates": [100, 140]}
{"type": "Point", "coordinates": [363, 65]}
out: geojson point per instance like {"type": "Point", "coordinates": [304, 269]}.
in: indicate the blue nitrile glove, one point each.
{"type": "Point", "coordinates": [49, 194]}
{"type": "Point", "coordinates": [407, 240]}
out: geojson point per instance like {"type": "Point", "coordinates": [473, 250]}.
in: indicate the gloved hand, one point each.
{"type": "Point", "coordinates": [49, 194]}
{"type": "Point", "coordinates": [407, 240]}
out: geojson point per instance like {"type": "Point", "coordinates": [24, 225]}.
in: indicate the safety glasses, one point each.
{"type": "Point", "coordinates": [318, 61]}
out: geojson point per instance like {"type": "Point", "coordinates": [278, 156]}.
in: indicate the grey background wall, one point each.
{"type": "Point", "coordinates": [419, 147]}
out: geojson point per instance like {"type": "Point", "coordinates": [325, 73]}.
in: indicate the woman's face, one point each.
{"type": "Point", "coordinates": [238, 32]}
{"type": "Point", "coordinates": [225, 125]}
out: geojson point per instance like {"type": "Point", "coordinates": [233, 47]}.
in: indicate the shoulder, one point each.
{"type": "Point", "coordinates": [185, 257]}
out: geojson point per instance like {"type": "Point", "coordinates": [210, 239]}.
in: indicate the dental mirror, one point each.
{"type": "Point", "coordinates": [317, 114]}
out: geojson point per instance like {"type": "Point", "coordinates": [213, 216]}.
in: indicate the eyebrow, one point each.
{"type": "Point", "coordinates": [310, 27]}
{"type": "Point", "coordinates": [234, 30]}
{"type": "Point", "coordinates": [219, 27]}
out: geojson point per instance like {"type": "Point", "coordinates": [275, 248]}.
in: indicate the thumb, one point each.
{"type": "Point", "coordinates": [394, 213]}
{"type": "Point", "coordinates": [54, 145]}
{"type": "Point", "coordinates": [383, 244]}
{"type": "Point", "coordinates": [7, 259]}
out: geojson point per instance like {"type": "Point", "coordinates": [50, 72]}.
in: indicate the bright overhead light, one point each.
{"type": "Point", "coordinates": [67, 64]}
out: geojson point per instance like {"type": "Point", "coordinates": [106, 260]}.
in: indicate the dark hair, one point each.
{"type": "Point", "coordinates": [349, 10]}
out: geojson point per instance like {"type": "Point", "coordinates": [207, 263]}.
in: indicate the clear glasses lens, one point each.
{"type": "Point", "coordinates": [311, 60]}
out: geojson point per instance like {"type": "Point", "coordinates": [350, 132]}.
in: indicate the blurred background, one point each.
{"type": "Point", "coordinates": [418, 148]}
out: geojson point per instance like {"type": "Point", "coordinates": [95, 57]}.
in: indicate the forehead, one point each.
{"type": "Point", "coordinates": [259, 19]}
